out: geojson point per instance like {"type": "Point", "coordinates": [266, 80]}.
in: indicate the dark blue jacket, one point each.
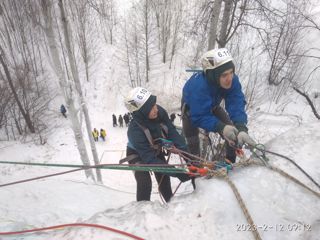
{"type": "Point", "coordinates": [201, 96]}
{"type": "Point", "coordinates": [63, 109]}
{"type": "Point", "coordinates": [139, 142]}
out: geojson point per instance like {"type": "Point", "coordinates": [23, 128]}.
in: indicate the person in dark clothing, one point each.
{"type": "Point", "coordinates": [149, 117]}
{"type": "Point", "coordinates": [114, 120]}
{"type": "Point", "coordinates": [63, 110]}
{"type": "Point", "coordinates": [126, 119]}
{"type": "Point", "coordinates": [120, 120]}
{"type": "Point", "coordinates": [172, 117]}
{"type": "Point", "coordinates": [202, 95]}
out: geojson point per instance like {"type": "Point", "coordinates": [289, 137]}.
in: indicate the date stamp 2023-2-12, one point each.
{"type": "Point", "coordinates": [294, 227]}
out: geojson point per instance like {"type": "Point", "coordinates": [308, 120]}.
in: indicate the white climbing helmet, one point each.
{"type": "Point", "coordinates": [215, 58]}
{"type": "Point", "coordinates": [137, 98]}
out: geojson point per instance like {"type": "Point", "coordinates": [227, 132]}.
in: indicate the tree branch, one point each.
{"type": "Point", "coordinates": [314, 110]}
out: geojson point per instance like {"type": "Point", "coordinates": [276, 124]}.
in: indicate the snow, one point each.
{"type": "Point", "coordinates": [276, 204]}
{"type": "Point", "coordinates": [280, 208]}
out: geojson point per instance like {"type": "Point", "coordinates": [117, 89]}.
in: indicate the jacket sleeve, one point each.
{"type": "Point", "coordinates": [140, 143]}
{"type": "Point", "coordinates": [235, 103]}
{"type": "Point", "coordinates": [197, 96]}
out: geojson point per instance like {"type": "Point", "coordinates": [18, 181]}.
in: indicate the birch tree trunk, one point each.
{"type": "Point", "coordinates": [76, 78]}
{"type": "Point", "coordinates": [224, 23]}
{"type": "Point", "coordinates": [146, 32]}
{"type": "Point", "coordinates": [214, 24]}
{"type": "Point", "coordinates": [64, 85]}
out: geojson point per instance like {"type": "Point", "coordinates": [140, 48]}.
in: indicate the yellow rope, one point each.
{"type": "Point", "coordinates": [244, 208]}
{"type": "Point", "coordinates": [222, 172]}
{"type": "Point", "coordinates": [249, 161]}
{"type": "Point", "coordinates": [283, 173]}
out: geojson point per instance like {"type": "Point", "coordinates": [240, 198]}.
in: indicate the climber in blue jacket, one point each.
{"type": "Point", "coordinates": [202, 96]}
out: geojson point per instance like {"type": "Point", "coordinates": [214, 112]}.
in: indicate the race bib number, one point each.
{"type": "Point", "coordinates": [223, 54]}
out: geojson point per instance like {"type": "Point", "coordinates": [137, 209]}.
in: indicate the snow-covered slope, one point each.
{"type": "Point", "coordinates": [280, 208]}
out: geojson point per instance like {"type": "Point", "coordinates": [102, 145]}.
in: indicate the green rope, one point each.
{"type": "Point", "coordinates": [163, 169]}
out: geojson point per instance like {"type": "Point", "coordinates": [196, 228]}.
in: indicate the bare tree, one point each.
{"type": "Point", "coordinates": [139, 39]}
{"type": "Point", "coordinates": [80, 13]}
{"type": "Point", "coordinates": [107, 17]}
{"type": "Point", "coordinates": [76, 78]}
{"type": "Point", "coordinates": [4, 102]}
{"type": "Point", "coordinates": [25, 113]}
{"type": "Point", "coordinates": [66, 86]}
{"type": "Point", "coordinates": [200, 20]}
{"type": "Point", "coordinates": [209, 27]}
{"type": "Point", "coordinates": [146, 25]}
{"type": "Point", "coordinates": [305, 95]}
{"type": "Point", "coordinates": [177, 24]}
{"type": "Point", "coordinates": [21, 62]}
{"type": "Point", "coordinates": [134, 55]}
{"type": "Point", "coordinates": [164, 17]}
{"type": "Point", "coordinates": [128, 59]}
{"type": "Point", "coordinates": [215, 14]}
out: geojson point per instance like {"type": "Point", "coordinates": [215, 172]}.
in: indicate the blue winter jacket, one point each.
{"type": "Point", "coordinates": [139, 142]}
{"type": "Point", "coordinates": [201, 97]}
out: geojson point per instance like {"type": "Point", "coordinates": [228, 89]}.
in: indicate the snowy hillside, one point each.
{"type": "Point", "coordinates": [279, 118]}
{"type": "Point", "coordinates": [212, 211]}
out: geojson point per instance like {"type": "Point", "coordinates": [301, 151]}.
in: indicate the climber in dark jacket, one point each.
{"type": "Point", "coordinates": [63, 110]}
{"type": "Point", "coordinates": [147, 115]}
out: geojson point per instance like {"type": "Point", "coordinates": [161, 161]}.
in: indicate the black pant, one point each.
{"type": "Point", "coordinates": [144, 185]}
{"type": "Point", "coordinates": [192, 133]}
{"type": "Point", "coordinates": [144, 181]}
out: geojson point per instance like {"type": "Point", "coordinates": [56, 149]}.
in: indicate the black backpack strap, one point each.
{"type": "Point", "coordinates": [165, 130]}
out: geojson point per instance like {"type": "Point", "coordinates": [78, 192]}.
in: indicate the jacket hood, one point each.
{"type": "Point", "coordinates": [213, 75]}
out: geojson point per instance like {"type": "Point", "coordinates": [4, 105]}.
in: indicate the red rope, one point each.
{"type": "Point", "coordinates": [73, 225]}
{"type": "Point", "coordinates": [41, 177]}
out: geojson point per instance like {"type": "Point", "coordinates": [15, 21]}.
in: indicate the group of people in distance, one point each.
{"type": "Point", "coordinates": [201, 98]}
{"type": "Point", "coordinates": [126, 119]}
